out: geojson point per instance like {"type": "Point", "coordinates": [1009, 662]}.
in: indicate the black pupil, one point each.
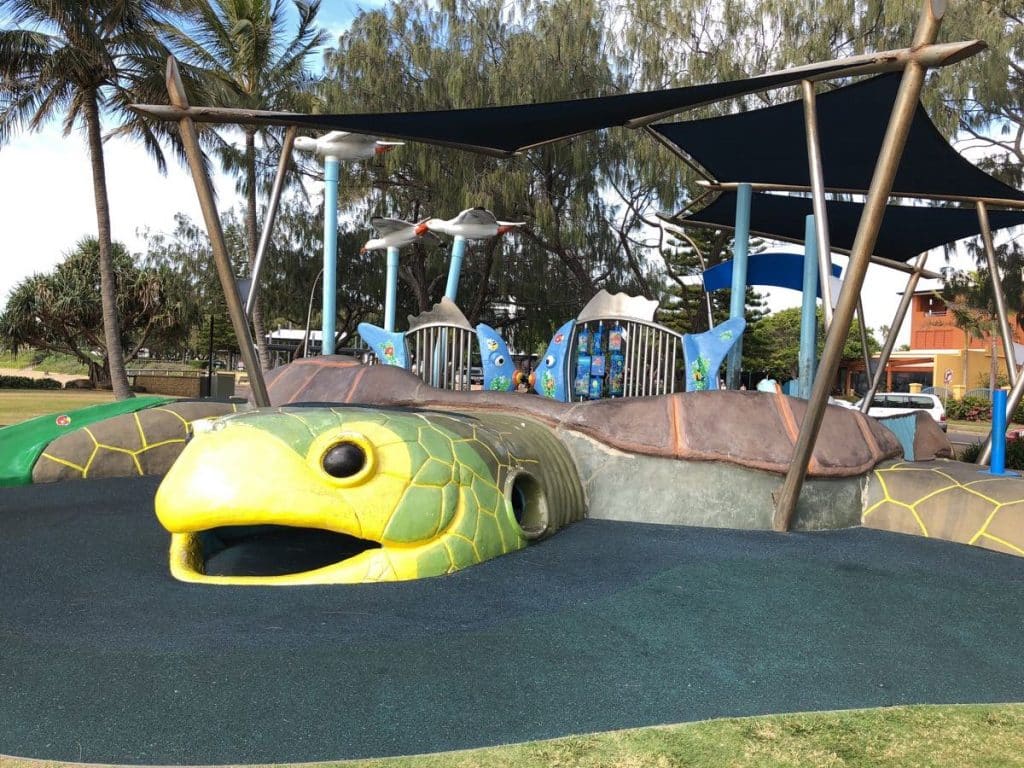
{"type": "Point", "coordinates": [344, 460]}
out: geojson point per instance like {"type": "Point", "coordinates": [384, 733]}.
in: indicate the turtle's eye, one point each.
{"type": "Point", "coordinates": [499, 360]}
{"type": "Point", "coordinates": [344, 459]}
{"type": "Point", "coordinates": [549, 360]}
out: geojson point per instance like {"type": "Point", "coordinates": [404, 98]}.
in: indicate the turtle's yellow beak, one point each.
{"type": "Point", "coordinates": [256, 480]}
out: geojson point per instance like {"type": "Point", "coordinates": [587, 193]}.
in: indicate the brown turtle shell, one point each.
{"type": "Point", "coordinates": [749, 429]}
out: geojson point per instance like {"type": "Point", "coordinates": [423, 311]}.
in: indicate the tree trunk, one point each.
{"type": "Point", "coordinates": [108, 280]}
{"type": "Point", "coordinates": [252, 238]}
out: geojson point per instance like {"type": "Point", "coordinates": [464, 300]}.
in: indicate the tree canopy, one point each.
{"type": "Point", "coordinates": [588, 203]}
{"type": "Point", "coordinates": [61, 311]}
{"type": "Point", "coordinates": [771, 345]}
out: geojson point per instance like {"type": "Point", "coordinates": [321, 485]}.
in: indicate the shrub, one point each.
{"type": "Point", "coordinates": [978, 409]}
{"type": "Point", "coordinates": [1014, 453]}
{"type": "Point", "coordinates": [24, 382]}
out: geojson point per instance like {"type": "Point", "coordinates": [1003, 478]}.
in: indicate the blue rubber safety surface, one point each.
{"type": "Point", "coordinates": [105, 658]}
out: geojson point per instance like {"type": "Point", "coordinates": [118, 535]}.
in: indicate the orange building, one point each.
{"type": "Point", "coordinates": [940, 354]}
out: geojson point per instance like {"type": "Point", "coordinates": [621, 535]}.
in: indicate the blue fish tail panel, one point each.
{"type": "Point", "coordinates": [550, 373]}
{"type": "Point", "coordinates": [704, 353]}
{"type": "Point", "coordinates": [388, 346]}
{"type": "Point", "coordinates": [497, 363]}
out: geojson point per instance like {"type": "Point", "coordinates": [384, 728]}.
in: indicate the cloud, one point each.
{"type": "Point", "coordinates": [47, 202]}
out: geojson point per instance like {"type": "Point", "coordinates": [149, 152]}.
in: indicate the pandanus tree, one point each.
{"type": "Point", "coordinates": [60, 311]}
{"type": "Point", "coordinates": [250, 60]}
{"type": "Point", "coordinates": [74, 60]}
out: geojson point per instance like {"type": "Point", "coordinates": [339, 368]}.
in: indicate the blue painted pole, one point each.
{"type": "Point", "coordinates": [331, 166]}
{"type": "Point", "coordinates": [458, 251]}
{"type": "Point", "coordinates": [737, 303]}
{"type": "Point", "coordinates": [997, 465]}
{"type": "Point", "coordinates": [808, 305]}
{"type": "Point", "coordinates": [391, 289]}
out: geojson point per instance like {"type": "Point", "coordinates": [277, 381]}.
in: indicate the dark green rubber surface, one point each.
{"type": "Point", "coordinates": [104, 658]}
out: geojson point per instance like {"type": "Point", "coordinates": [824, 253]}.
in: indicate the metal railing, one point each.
{"type": "Point", "coordinates": [442, 355]}
{"type": "Point", "coordinates": [651, 357]}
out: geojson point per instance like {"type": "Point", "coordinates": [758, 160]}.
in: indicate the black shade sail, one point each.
{"type": "Point", "coordinates": [906, 231]}
{"type": "Point", "coordinates": [506, 130]}
{"type": "Point", "coordinates": [770, 146]}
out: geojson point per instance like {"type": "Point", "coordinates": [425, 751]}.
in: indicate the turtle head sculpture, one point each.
{"type": "Point", "coordinates": [321, 495]}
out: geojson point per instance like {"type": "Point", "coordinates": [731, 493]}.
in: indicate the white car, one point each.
{"type": "Point", "coordinates": [903, 403]}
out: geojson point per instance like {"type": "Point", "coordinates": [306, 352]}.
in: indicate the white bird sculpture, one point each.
{"type": "Point", "coordinates": [472, 224]}
{"type": "Point", "coordinates": [345, 146]}
{"type": "Point", "coordinates": [394, 233]}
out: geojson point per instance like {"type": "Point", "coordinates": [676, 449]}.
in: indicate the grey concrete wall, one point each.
{"type": "Point", "coordinates": [645, 489]}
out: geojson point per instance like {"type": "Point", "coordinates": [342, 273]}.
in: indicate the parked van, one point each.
{"type": "Point", "coordinates": [902, 403]}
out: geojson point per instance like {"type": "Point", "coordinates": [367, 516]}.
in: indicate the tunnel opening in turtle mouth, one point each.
{"type": "Point", "coordinates": [274, 550]}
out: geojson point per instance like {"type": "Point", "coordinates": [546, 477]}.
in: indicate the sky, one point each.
{"type": "Point", "coordinates": [47, 203]}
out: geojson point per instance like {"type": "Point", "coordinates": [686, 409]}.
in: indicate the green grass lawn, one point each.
{"type": "Point", "coordinates": [20, 404]}
{"type": "Point", "coordinates": [980, 736]}
{"type": "Point", "coordinates": [43, 361]}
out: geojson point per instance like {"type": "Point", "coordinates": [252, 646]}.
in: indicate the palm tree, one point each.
{"type": "Point", "coordinates": [77, 59]}
{"type": "Point", "coordinates": [250, 62]}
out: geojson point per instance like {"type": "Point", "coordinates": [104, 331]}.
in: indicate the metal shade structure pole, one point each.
{"type": "Point", "coordinates": [997, 290]}
{"type": "Point", "coordinates": [268, 222]}
{"type": "Point", "coordinates": [207, 202]}
{"type": "Point", "coordinates": [330, 284]}
{"type": "Point", "coordinates": [808, 315]}
{"type": "Point", "coordinates": [738, 297]}
{"type": "Point", "coordinates": [818, 201]}
{"type": "Point", "coordinates": [1012, 401]}
{"type": "Point", "coordinates": [391, 288]}
{"type": "Point", "coordinates": [451, 289]}
{"type": "Point", "coordinates": [864, 243]}
{"type": "Point", "coordinates": [894, 329]}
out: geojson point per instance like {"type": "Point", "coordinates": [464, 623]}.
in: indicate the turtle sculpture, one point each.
{"type": "Point", "coordinates": [391, 479]}
{"type": "Point", "coordinates": [401, 494]}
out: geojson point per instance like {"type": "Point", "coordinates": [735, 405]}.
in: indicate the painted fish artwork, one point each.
{"type": "Point", "coordinates": [551, 371]}
{"type": "Point", "coordinates": [496, 361]}
{"type": "Point", "coordinates": [388, 346]}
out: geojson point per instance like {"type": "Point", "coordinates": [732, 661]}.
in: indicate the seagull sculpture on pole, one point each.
{"type": "Point", "coordinates": [394, 233]}
{"type": "Point", "coordinates": [471, 224]}
{"type": "Point", "coordinates": [334, 147]}
{"type": "Point", "coordinates": [343, 145]}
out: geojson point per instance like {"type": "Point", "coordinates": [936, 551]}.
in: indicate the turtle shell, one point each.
{"type": "Point", "coordinates": [750, 429]}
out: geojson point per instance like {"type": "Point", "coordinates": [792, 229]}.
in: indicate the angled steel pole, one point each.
{"type": "Point", "coordinates": [268, 221]}
{"type": "Point", "coordinates": [1012, 401]}
{"type": "Point", "coordinates": [997, 289]}
{"type": "Point", "coordinates": [204, 190]}
{"type": "Point", "coordinates": [860, 256]}
{"type": "Point", "coordinates": [894, 329]}
{"type": "Point", "coordinates": [1004, 329]}
{"type": "Point", "coordinates": [818, 201]}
